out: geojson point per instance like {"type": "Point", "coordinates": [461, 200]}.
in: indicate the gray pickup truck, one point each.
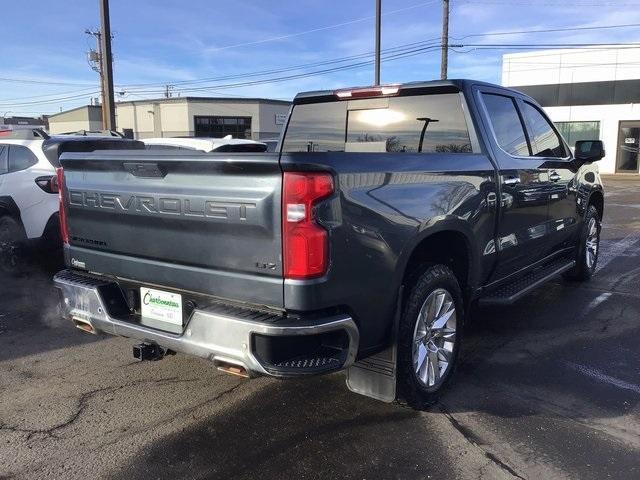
{"type": "Point", "coordinates": [360, 245]}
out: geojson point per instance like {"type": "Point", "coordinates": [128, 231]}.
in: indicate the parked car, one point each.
{"type": "Point", "coordinates": [225, 144]}
{"type": "Point", "coordinates": [29, 192]}
{"type": "Point", "coordinates": [389, 213]}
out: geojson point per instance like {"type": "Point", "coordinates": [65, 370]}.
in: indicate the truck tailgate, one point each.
{"type": "Point", "coordinates": [207, 223]}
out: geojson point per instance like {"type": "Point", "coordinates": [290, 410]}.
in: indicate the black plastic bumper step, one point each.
{"type": "Point", "coordinates": [510, 292]}
{"type": "Point", "coordinates": [309, 362]}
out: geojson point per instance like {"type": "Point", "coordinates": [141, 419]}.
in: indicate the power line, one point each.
{"type": "Point", "coordinates": [280, 70]}
{"type": "Point", "coordinates": [44, 102]}
{"type": "Point", "coordinates": [402, 49]}
{"type": "Point", "coordinates": [394, 55]}
{"type": "Point", "coordinates": [543, 45]}
{"type": "Point", "coordinates": [31, 97]}
{"type": "Point", "coordinates": [583, 47]}
{"type": "Point", "coordinates": [409, 53]}
{"type": "Point", "coordinates": [319, 63]}
{"type": "Point", "coordinates": [548, 30]}
{"type": "Point", "coordinates": [564, 3]}
{"type": "Point", "coordinates": [40, 82]}
{"type": "Point", "coordinates": [399, 51]}
{"type": "Point", "coordinates": [320, 29]}
{"type": "Point", "coordinates": [362, 55]}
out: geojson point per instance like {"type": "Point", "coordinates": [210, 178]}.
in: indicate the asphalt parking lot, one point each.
{"type": "Point", "coordinates": [548, 388]}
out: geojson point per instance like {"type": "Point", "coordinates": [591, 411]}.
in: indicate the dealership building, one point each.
{"type": "Point", "coordinates": [590, 93]}
{"type": "Point", "coordinates": [254, 118]}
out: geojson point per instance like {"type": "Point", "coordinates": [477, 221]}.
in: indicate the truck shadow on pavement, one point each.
{"type": "Point", "coordinates": [524, 361]}
{"type": "Point", "coordinates": [292, 429]}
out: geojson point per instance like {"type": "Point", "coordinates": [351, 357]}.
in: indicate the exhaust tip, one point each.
{"type": "Point", "coordinates": [84, 325]}
{"type": "Point", "coordinates": [232, 369]}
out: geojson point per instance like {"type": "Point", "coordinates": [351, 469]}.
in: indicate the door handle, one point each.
{"type": "Point", "coordinates": [511, 180]}
{"type": "Point", "coordinates": [554, 177]}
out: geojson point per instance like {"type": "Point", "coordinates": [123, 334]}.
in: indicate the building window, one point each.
{"type": "Point", "coordinates": [217, 127]}
{"type": "Point", "coordinates": [574, 131]}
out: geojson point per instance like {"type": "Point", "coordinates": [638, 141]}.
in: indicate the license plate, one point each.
{"type": "Point", "coordinates": [161, 306]}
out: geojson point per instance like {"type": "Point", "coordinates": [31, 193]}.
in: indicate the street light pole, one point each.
{"type": "Point", "coordinates": [378, 25]}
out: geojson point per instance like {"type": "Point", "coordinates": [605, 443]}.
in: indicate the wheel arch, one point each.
{"type": "Point", "coordinates": [9, 207]}
{"type": "Point", "coordinates": [449, 244]}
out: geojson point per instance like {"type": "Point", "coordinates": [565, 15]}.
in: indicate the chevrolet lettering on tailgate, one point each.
{"type": "Point", "coordinates": [155, 205]}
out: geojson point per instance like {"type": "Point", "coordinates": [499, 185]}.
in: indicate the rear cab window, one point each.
{"type": "Point", "coordinates": [431, 123]}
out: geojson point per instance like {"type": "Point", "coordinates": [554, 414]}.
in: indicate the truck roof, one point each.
{"type": "Point", "coordinates": [453, 85]}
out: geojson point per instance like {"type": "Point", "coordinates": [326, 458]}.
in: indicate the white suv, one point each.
{"type": "Point", "coordinates": [28, 194]}
{"type": "Point", "coordinates": [28, 187]}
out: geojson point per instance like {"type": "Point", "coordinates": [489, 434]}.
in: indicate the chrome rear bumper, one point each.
{"type": "Point", "coordinates": [220, 335]}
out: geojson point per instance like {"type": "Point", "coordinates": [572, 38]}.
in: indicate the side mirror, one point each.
{"type": "Point", "coordinates": [589, 150]}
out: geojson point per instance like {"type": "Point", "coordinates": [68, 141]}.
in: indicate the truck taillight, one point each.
{"type": "Point", "coordinates": [64, 232]}
{"type": "Point", "coordinates": [304, 242]}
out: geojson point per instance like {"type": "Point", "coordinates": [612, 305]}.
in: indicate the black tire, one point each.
{"type": "Point", "coordinates": [10, 245]}
{"type": "Point", "coordinates": [430, 279]}
{"type": "Point", "coordinates": [586, 267]}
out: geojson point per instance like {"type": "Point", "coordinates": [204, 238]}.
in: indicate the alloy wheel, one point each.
{"type": "Point", "coordinates": [593, 240]}
{"type": "Point", "coordinates": [434, 338]}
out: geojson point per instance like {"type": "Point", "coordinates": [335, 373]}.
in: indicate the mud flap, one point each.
{"type": "Point", "coordinates": [375, 376]}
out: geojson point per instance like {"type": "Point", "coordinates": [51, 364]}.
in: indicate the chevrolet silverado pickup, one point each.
{"type": "Point", "coordinates": [386, 214]}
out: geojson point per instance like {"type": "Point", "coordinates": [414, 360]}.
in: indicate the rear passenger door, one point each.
{"type": "Point", "coordinates": [524, 181]}
{"type": "Point", "coordinates": [548, 146]}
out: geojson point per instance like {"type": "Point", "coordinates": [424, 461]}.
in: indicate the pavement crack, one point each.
{"type": "Point", "coordinates": [183, 413]}
{"type": "Point", "coordinates": [81, 405]}
{"type": "Point", "coordinates": [474, 440]}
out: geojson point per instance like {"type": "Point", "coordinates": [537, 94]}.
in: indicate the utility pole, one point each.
{"type": "Point", "coordinates": [445, 40]}
{"type": "Point", "coordinates": [378, 25]}
{"type": "Point", "coordinates": [108, 102]}
{"type": "Point", "coordinates": [94, 58]}
{"type": "Point", "coordinates": [167, 91]}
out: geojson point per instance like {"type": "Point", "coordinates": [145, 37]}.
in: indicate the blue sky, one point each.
{"type": "Point", "coordinates": [43, 50]}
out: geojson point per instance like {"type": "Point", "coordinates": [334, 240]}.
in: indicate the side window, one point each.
{"type": "Point", "coordinates": [4, 152]}
{"type": "Point", "coordinates": [545, 142]}
{"type": "Point", "coordinates": [20, 158]}
{"type": "Point", "coordinates": [506, 124]}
